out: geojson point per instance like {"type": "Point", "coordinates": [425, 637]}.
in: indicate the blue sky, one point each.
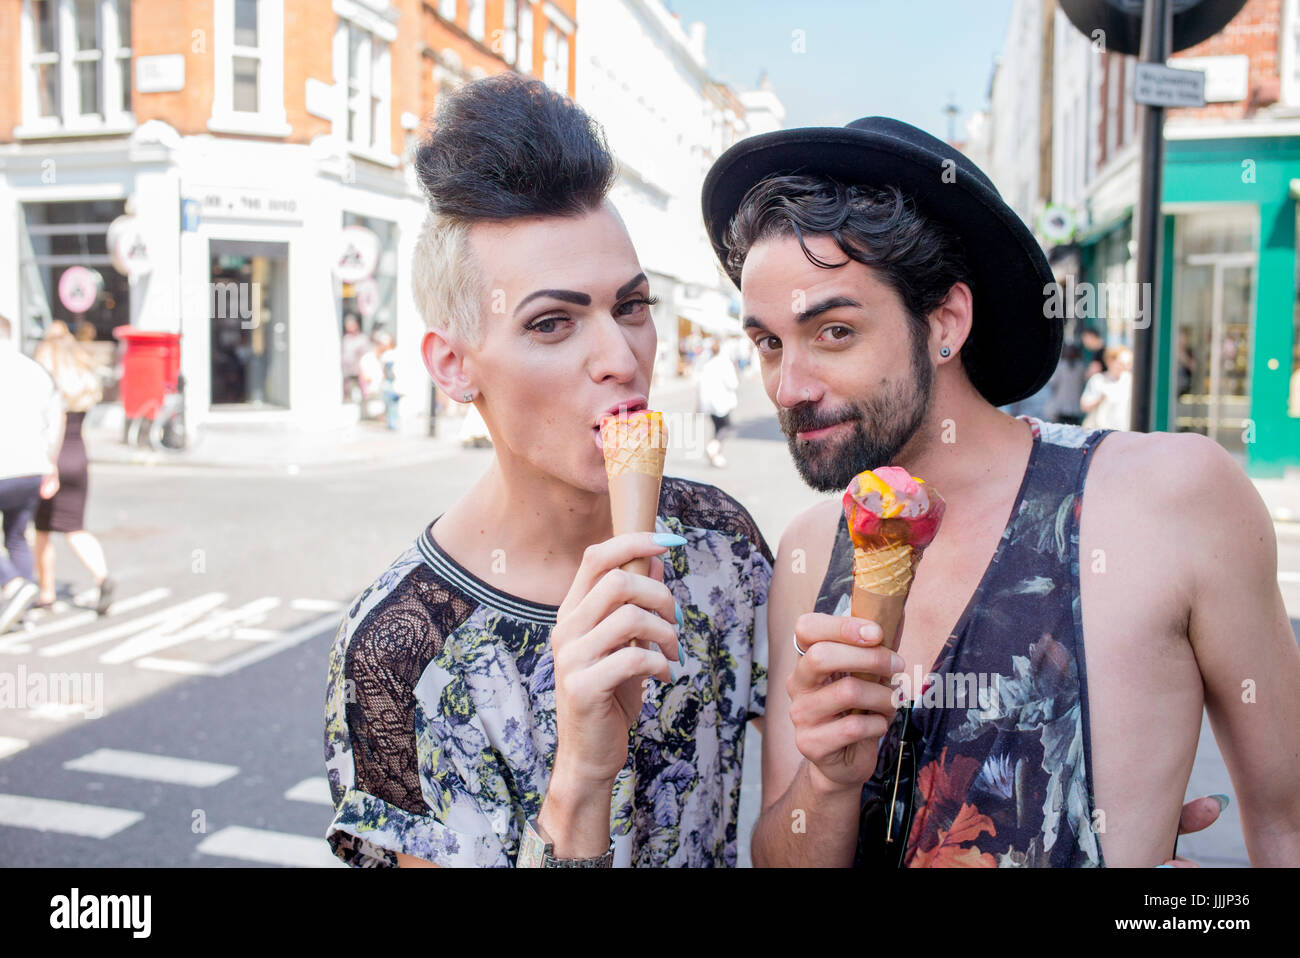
{"type": "Point", "coordinates": [901, 58]}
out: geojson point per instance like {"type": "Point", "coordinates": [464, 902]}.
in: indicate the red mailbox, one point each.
{"type": "Point", "coordinates": [151, 363]}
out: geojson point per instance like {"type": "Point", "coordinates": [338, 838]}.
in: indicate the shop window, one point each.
{"type": "Point", "coordinates": [371, 301]}
{"type": "Point", "coordinates": [248, 71]}
{"type": "Point", "coordinates": [77, 65]}
{"type": "Point", "coordinates": [58, 237]}
{"type": "Point", "coordinates": [1293, 392]}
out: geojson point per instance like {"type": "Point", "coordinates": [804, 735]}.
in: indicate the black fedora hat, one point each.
{"type": "Point", "coordinates": [1015, 339]}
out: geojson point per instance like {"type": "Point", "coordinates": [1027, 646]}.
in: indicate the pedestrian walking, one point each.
{"type": "Point", "coordinates": [1066, 388]}
{"type": "Point", "coordinates": [370, 368]}
{"type": "Point", "coordinates": [74, 376]}
{"type": "Point", "coordinates": [354, 346]}
{"type": "Point", "coordinates": [31, 431]}
{"type": "Point", "coordinates": [718, 384]}
{"type": "Point", "coordinates": [1107, 399]}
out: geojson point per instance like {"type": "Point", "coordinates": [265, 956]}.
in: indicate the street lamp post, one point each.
{"type": "Point", "coordinates": [1157, 38]}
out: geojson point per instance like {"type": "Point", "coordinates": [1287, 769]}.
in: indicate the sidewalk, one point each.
{"type": "Point", "coordinates": [276, 446]}
{"type": "Point", "coordinates": [1282, 496]}
{"type": "Point", "coordinates": [269, 446]}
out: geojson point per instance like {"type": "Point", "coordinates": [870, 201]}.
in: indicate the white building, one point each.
{"type": "Point", "coordinates": [643, 76]}
{"type": "Point", "coordinates": [236, 240]}
{"type": "Point", "coordinates": [1015, 128]}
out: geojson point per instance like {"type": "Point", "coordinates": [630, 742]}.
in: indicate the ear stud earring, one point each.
{"type": "Point", "coordinates": [945, 352]}
{"type": "Point", "coordinates": [469, 397]}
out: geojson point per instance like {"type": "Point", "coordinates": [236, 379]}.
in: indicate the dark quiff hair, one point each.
{"type": "Point", "coordinates": [879, 227]}
{"type": "Point", "coordinates": [507, 147]}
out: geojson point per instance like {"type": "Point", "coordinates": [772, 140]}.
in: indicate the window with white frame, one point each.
{"type": "Point", "coordinates": [76, 65]}
{"type": "Point", "coordinates": [555, 68]}
{"type": "Point", "coordinates": [1290, 40]}
{"type": "Point", "coordinates": [248, 65]}
{"type": "Point", "coordinates": [478, 19]}
{"type": "Point", "coordinates": [447, 10]}
{"type": "Point", "coordinates": [510, 33]}
{"type": "Point", "coordinates": [363, 73]}
{"type": "Point", "coordinates": [525, 64]}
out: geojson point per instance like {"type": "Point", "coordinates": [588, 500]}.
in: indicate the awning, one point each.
{"type": "Point", "coordinates": [718, 323]}
{"type": "Point", "coordinates": [1100, 231]}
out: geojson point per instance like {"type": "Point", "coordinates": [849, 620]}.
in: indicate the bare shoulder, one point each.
{"type": "Point", "coordinates": [1181, 500]}
{"type": "Point", "coordinates": [1162, 474]}
{"type": "Point", "coordinates": [813, 530]}
{"type": "Point", "coordinates": [803, 557]}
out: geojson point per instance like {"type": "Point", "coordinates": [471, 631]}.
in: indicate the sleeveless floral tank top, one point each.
{"type": "Point", "coordinates": [1003, 769]}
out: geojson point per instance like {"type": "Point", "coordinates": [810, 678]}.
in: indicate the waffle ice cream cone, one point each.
{"type": "Point", "coordinates": [634, 447]}
{"type": "Point", "coordinates": [892, 517]}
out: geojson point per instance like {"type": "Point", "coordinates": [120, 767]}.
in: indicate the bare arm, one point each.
{"type": "Point", "coordinates": [1239, 632]}
{"type": "Point", "coordinates": [811, 797]}
{"type": "Point", "coordinates": [1243, 643]}
{"type": "Point", "coordinates": [788, 793]}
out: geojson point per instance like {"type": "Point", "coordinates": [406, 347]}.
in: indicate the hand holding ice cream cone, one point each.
{"type": "Point", "coordinates": [892, 517]}
{"type": "Point", "coordinates": [634, 445]}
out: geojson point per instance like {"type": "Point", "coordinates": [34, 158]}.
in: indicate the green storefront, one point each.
{"type": "Point", "coordinates": [1228, 341]}
{"type": "Point", "coordinates": [1230, 265]}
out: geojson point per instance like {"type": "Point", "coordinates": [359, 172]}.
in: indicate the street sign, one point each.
{"type": "Point", "coordinates": [1117, 24]}
{"type": "Point", "coordinates": [1159, 85]}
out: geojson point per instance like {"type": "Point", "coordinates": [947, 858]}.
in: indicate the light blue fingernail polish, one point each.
{"type": "Point", "coordinates": [668, 539]}
{"type": "Point", "coordinates": [1222, 800]}
{"type": "Point", "coordinates": [681, 652]}
{"type": "Point", "coordinates": [680, 621]}
{"type": "Point", "coordinates": [1164, 866]}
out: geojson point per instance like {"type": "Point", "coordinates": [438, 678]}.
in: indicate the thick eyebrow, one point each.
{"type": "Point", "coordinates": [564, 295]}
{"type": "Point", "coordinates": [835, 302]}
{"type": "Point", "coordinates": [630, 285]}
{"type": "Point", "coordinates": [578, 299]}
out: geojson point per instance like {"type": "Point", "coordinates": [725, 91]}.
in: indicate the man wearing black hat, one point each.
{"type": "Point", "coordinates": [895, 302]}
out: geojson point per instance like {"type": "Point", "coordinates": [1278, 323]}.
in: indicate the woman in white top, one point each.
{"type": "Point", "coordinates": [1107, 399]}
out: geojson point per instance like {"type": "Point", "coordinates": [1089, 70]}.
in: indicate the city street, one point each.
{"type": "Point", "coordinates": [210, 670]}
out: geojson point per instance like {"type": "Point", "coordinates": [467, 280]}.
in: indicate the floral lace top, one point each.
{"type": "Point", "coordinates": [440, 710]}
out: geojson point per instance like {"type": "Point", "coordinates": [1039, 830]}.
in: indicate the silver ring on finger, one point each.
{"type": "Point", "coordinates": [795, 639]}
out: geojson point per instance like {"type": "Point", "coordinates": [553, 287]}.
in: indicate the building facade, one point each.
{"type": "Point", "coordinates": [253, 159]}
{"type": "Point", "coordinates": [643, 76]}
{"type": "Point", "coordinates": [1228, 344]}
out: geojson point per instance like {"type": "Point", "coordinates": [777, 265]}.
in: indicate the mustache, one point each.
{"type": "Point", "coordinates": [806, 417]}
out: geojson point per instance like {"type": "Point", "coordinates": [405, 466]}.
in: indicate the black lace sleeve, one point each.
{"type": "Point", "coordinates": [386, 658]}
{"type": "Point", "coordinates": [708, 507]}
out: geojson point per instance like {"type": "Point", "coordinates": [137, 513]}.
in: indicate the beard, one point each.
{"type": "Point", "coordinates": [881, 426]}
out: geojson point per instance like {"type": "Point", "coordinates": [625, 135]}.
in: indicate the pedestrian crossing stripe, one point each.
{"type": "Point", "coordinates": [17, 644]}
{"type": "Point", "coordinates": [68, 818]}
{"type": "Point", "coordinates": [154, 768]}
{"type": "Point", "coordinates": [315, 790]}
{"type": "Point", "coordinates": [270, 848]}
{"type": "Point", "coordinates": [11, 746]}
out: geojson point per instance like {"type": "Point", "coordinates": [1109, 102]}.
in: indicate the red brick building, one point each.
{"type": "Point", "coordinates": [259, 152]}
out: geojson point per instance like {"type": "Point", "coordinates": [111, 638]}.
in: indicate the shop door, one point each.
{"type": "Point", "coordinates": [249, 314]}
{"type": "Point", "coordinates": [1212, 349]}
{"type": "Point", "coordinates": [1214, 323]}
